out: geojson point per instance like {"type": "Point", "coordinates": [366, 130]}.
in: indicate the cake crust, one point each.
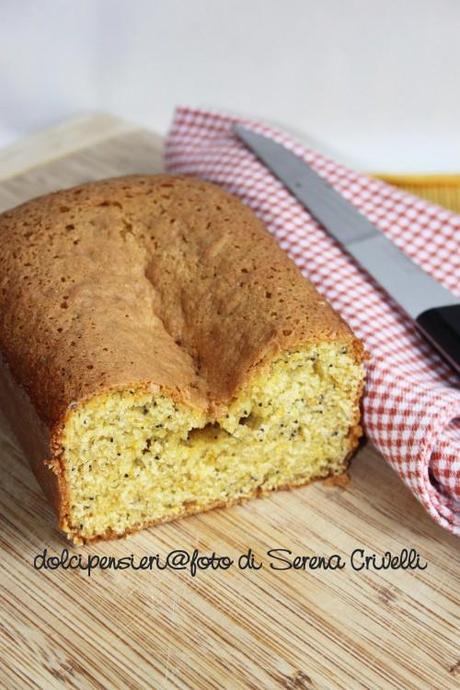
{"type": "Point", "coordinates": [151, 282]}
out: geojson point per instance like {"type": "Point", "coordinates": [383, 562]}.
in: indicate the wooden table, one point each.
{"type": "Point", "coordinates": [220, 629]}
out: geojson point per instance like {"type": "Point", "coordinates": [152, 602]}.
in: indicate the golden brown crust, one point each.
{"type": "Point", "coordinates": [145, 281]}
{"type": "Point", "coordinates": [137, 279]}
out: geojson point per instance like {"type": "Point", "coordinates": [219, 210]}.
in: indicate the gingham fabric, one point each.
{"type": "Point", "coordinates": [411, 407]}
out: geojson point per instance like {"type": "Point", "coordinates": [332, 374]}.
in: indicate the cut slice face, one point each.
{"type": "Point", "coordinates": [131, 458]}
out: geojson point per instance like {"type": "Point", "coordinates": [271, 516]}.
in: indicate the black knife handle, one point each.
{"type": "Point", "coordinates": [441, 325]}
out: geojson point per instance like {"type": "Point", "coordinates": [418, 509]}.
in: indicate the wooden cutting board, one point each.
{"type": "Point", "coordinates": [220, 629]}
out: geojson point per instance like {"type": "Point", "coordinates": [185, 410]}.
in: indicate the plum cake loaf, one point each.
{"type": "Point", "coordinates": [161, 355]}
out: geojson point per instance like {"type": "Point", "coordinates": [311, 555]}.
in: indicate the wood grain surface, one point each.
{"type": "Point", "coordinates": [258, 629]}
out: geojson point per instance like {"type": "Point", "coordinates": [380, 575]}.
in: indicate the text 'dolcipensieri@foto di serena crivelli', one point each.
{"type": "Point", "coordinates": [196, 561]}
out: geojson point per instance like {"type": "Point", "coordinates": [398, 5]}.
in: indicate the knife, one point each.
{"type": "Point", "coordinates": [433, 308]}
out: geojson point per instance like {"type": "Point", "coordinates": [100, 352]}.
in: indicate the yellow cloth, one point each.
{"type": "Point", "coordinates": [442, 189]}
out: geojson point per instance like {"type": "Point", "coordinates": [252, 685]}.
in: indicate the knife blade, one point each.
{"type": "Point", "coordinates": [434, 309]}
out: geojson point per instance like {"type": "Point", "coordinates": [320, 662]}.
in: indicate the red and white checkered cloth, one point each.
{"type": "Point", "coordinates": [412, 401]}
